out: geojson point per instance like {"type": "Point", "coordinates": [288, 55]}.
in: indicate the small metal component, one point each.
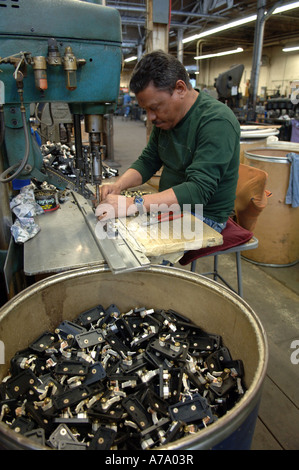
{"type": "Point", "coordinates": [95, 374]}
{"type": "Point", "coordinates": [70, 397]}
{"type": "Point", "coordinates": [90, 338]}
{"type": "Point", "coordinates": [192, 409]}
{"type": "Point", "coordinates": [103, 439]}
{"type": "Point", "coordinates": [61, 434]}
{"type": "Point", "coordinates": [46, 340]}
{"type": "Point", "coordinates": [137, 412]}
{"type": "Point", "coordinates": [91, 316]}
{"type": "Point", "coordinates": [164, 384]}
{"type": "Point", "coordinates": [71, 368]}
{"type": "Point", "coordinates": [21, 384]}
{"type": "Point", "coordinates": [68, 329]}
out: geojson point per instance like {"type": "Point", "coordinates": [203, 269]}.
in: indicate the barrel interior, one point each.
{"type": "Point", "coordinates": [63, 297]}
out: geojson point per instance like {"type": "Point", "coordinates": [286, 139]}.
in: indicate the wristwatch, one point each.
{"type": "Point", "coordinates": [139, 201]}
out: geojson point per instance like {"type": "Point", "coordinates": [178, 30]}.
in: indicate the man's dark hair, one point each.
{"type": "Point", "coordinates": [160, 69]}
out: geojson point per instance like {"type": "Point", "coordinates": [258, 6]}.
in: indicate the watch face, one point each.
{"type": "Point", "coordinates": [138, 200]}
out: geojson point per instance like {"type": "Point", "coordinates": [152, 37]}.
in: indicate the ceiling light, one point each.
{"type": "Point", "coordinates": [221, 28]}
{"type": "Point", "coordinates": [219, 54]}
{"type": "Point", "coordinates": [130, 59]}
{"type": "Point", "coordinates": [288, 7]}
{"type": "Point", "coordinates": [234, 24]}
{"type": "Point", "coordinates": [290, 49]}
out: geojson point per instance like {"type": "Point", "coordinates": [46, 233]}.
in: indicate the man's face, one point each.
{"type": "Point", "coordinates": [163, 109]}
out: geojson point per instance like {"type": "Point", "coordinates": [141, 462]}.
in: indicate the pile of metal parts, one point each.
{"type": "Point", "coordinates": [112, 380]}
{"type": "Point", "coordinates": [61, 157]}
{"type": "Point", "coordinates": [134, 193]}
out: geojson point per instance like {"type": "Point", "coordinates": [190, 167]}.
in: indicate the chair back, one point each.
{"type": "Point", "coordinates": [251, 195]}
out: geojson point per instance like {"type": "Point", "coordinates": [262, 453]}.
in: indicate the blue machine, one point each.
{"type": "Point", "coordinates": [56, 51]}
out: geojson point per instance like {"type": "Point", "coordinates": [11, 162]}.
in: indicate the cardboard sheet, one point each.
{"type": "Point", "coordinates": [186, 233]}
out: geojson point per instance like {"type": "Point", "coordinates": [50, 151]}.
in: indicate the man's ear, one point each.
{"type": "Point", "coordinates": [181, 88]}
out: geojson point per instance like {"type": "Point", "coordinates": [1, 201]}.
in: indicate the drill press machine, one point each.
{"type": "Point", "coordinates": [60, 51]}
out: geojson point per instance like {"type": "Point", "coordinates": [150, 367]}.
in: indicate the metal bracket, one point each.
{"type": "Point", "coordinates": [120, 255]}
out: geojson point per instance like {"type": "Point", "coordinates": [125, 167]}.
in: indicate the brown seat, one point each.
{"type": "Point", "coordinates": [251, 199]}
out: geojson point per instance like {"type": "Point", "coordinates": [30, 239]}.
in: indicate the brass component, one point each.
{"type": "Point", "coordinates": [70, 67]}
{"type": "Point", "coordinates": [69, 60]}
{"type": "Point", "coordinates": [39, 63]}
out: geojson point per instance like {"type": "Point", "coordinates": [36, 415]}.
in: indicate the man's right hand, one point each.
{"type": "Point", "coordinates": [106, 189]}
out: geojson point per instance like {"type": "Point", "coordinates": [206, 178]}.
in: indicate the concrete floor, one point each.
{"type": "Point", "coordinates": [273, 293]}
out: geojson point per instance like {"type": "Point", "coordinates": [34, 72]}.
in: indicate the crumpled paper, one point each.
{"type": "Point", "coordinates": [25, 209]}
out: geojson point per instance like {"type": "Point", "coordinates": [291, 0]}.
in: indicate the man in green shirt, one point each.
{"type": "Point", "coordinates": [195, 138]}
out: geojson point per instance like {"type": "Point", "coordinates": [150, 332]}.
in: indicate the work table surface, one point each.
{"type": "Point", "coordinates": [66, 242]}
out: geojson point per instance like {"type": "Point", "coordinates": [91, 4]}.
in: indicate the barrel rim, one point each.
{"type": "Point", "coordinates": [205, 438]}
{"type": "Point", "coordinates": [263, 158]}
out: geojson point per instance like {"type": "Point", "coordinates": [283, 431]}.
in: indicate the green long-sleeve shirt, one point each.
{"type": "Point", "coordinates": [200, 158]}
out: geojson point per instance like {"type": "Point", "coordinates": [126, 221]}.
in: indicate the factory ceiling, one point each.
{"type": "Point", "coordinates": [189, 17]}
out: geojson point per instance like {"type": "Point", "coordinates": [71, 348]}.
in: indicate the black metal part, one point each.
{"type": "Point", "coordinates": [191, 410]}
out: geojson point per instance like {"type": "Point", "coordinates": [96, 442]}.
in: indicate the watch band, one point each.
{"type": "Point", "coordinates": [139, 203]}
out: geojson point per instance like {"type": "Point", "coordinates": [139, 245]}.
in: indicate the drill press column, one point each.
{"type": "Point", "coordinates": [94, 125]}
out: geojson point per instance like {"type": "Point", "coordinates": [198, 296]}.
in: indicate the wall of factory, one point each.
{"type": "Point", "coordinates": [125, 77]}
{"type": "Point", "coordinates": [278, 69]}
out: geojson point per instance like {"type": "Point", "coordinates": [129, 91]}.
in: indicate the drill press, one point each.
{"type": "Point", "coordinates": [63, 51]}
{"type": "Point", "coordinates": [60, 51]}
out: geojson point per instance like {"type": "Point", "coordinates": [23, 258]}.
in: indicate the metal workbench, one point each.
{"type": "Point", "coordinates": [64, 242]}
{"type": "Point", "coordinates": [69, 239]}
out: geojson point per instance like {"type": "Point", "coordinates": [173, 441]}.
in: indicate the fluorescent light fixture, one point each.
{"type": "Point", "coordinates": [130, 59]}
{"type": "Point", "coordinates": [234, 24]}
{"type": "Point", "coordinates": [289, 6]}
{"type": "Point", "coordinates": [219, 54]}
{"type": "Point", "coordinates": [290, 49]}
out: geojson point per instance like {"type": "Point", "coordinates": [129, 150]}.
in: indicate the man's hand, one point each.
{"type": "Point", "coordinates": [113, 188]}
{"type": "Point", "coordinates": [114, 206]}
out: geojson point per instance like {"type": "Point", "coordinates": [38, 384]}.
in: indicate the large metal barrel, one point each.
{"type": "Point", "coordinates": [214, 307]}
{"type": "Point", "coordinates": [248, 144]}
{"type": "Point", "coordinates": [277, 227]}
